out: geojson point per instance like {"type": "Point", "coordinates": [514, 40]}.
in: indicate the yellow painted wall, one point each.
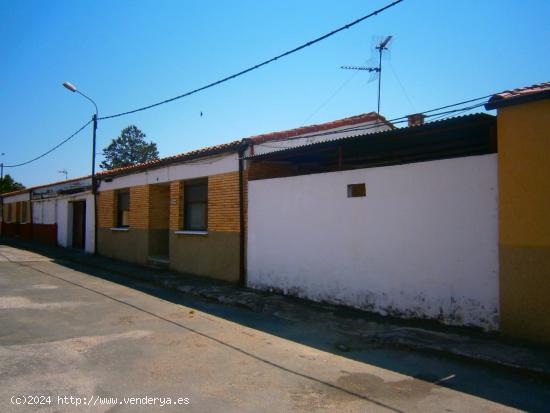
{"type": "Point", "coordinates": [524, 209]}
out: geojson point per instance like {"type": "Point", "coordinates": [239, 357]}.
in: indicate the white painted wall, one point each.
{"type": "Point", "coordinates": [422, 243]}
{"type": "Point", "coordinates": [16, 198]}
{"type": "Point", "coordinates": [65, 220]}
{"type": "Point", "coordinates": [44, 212]}
{"type": "Point", "coordinates": [188, 170]}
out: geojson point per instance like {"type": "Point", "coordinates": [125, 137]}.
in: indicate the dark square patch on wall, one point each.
{"type": "Point", "coordinates": [357, 190]}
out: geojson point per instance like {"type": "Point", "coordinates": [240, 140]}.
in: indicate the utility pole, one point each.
{"type": "Point", "coordinates": [72, 88]}
{"type": "Point", "coordinates": [94, 128]}
{"type": "Point", "coordinates": [1, 192]}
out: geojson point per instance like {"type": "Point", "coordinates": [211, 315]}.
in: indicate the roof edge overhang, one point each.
{"type": "Point", "coordinates": [172, 160]}
{"type": "Point", "coordinates": [497, 102]}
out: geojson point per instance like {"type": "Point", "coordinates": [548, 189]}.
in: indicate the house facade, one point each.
{"type": "Point", "coordinates": [524, 210]}
{"type": "Point", "coordinates": [63, 214]}
{"type": "Point", "coordinates": [16, 214]}
{"type": "Point", "coordinates": [181, 212]}
{"type": "Point", "coordinates": [188, 212]}
{"type": "Point", "coordinates": [60, 213]}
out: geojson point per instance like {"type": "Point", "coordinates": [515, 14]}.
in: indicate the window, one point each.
{"type": "Point", "coordinates": [9, 213]}
{"type": "Point", "coordinates": [357, 190]}
{"type": "Point", "coordinates": [23, 212]}
{"type": "Point", "coordinates": [195, 204]}
{"type": "Point", "coordinates": [123, 208]}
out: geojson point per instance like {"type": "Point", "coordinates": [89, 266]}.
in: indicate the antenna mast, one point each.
{"type": "Point", "coordinates": [383, 45]}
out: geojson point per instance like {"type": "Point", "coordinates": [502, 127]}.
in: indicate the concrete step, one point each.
{"type": "Point", "coordinates": [159, 262]}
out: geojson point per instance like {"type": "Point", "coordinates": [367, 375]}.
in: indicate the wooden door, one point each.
{"type": "Point", "coordinates": [79, 224]}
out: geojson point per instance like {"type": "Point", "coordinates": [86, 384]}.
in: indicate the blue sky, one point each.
{"type": "Point", "coordinates": [127, 54]}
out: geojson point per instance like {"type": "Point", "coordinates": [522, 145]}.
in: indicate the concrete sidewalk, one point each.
{"type": "Point", "coordinates": [360, 328]}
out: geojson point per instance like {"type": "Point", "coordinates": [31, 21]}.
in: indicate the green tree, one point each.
{"type": "Point", "coordinates": [130, 148]}
{"type": "Point", "coordinates": [8, 184]}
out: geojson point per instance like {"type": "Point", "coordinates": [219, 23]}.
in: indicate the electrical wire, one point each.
{"type": "Point", "coordinates": [333, 94]}
{"type": "Point", "coordinates": [52, 149]}
{"type": "Point", "coordinates": [376, 124]}
{"type": "Point", "coordinates": [257, 66]}
{"type": "Point", "coordinates": [428, 113]}
{"type": "Point", "coordinates": [401, 85]}
{"type": "Point", "coordinates": [460, 103]}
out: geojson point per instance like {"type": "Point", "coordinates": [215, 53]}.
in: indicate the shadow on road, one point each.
{"type": "Point", "coordinates": [500, 385]}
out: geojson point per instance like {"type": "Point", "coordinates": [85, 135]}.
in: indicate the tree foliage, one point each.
{"type": "Point", "coordinates": [129, 148]}
{"type": "Point", "coordinates": [8, 184]}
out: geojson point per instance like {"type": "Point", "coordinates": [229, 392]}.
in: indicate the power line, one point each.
{"type": "Point", "coordinates": [394, 121]}
{"type": "Point", "coordinates": [459, 103]}
{"type": "Point", "coordinates": [266, 62]}
{"type": "Point", "coordinates": [52, 149]}
{"type": "Point", "coordinates": [401, 85]}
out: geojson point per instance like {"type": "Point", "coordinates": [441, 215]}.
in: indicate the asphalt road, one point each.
{"type": "Point", "coordinates": [72, 331]}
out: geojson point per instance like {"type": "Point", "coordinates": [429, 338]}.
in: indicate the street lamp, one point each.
{"type": "Point", "coordinates": [73, 88]}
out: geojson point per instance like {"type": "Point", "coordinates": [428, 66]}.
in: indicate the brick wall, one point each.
{"type": "Point", "coordinates": [176, 206]}
{"type": "Point", "coordinates": [267, 169]}
{"type": "Point", "coordinates": [139, 207]}
{"type": "Point", "coordinates": [223, 202]}
{"type": "Point", "coordinates": [106, 209]}
{"type": "Point", "coordinates": [148, 207]}
{"type": "Point", "coordinates": [159, 210]}
{"type": "Point", "coordinates": [159, 207]}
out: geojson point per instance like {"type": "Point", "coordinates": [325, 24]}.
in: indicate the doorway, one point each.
{"type": "Point", "coordinates": [79, 224]}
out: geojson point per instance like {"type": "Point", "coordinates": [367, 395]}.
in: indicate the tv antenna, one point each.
{"type": "Point", "coordinates": [382, 45]}
{"type": "Point", "coordinates": [64, 172]}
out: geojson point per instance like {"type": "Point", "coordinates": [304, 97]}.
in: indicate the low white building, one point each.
{"type": "Point", "coordinates": [403, 222]}
{"type": "Point", "coordinates": [63, 213]}
{"type": "Point", "coordinates": [60, 213]}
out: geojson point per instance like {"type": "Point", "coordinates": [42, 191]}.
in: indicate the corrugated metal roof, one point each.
{"type": "Point", "coordinates": [454, 121]}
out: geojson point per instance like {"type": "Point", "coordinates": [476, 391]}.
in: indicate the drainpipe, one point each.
{"type": "Point", "coordinates": [242, 234]}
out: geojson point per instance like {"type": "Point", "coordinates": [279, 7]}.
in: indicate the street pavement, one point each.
{"type": "Point", "coordinates": [69, 330]}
